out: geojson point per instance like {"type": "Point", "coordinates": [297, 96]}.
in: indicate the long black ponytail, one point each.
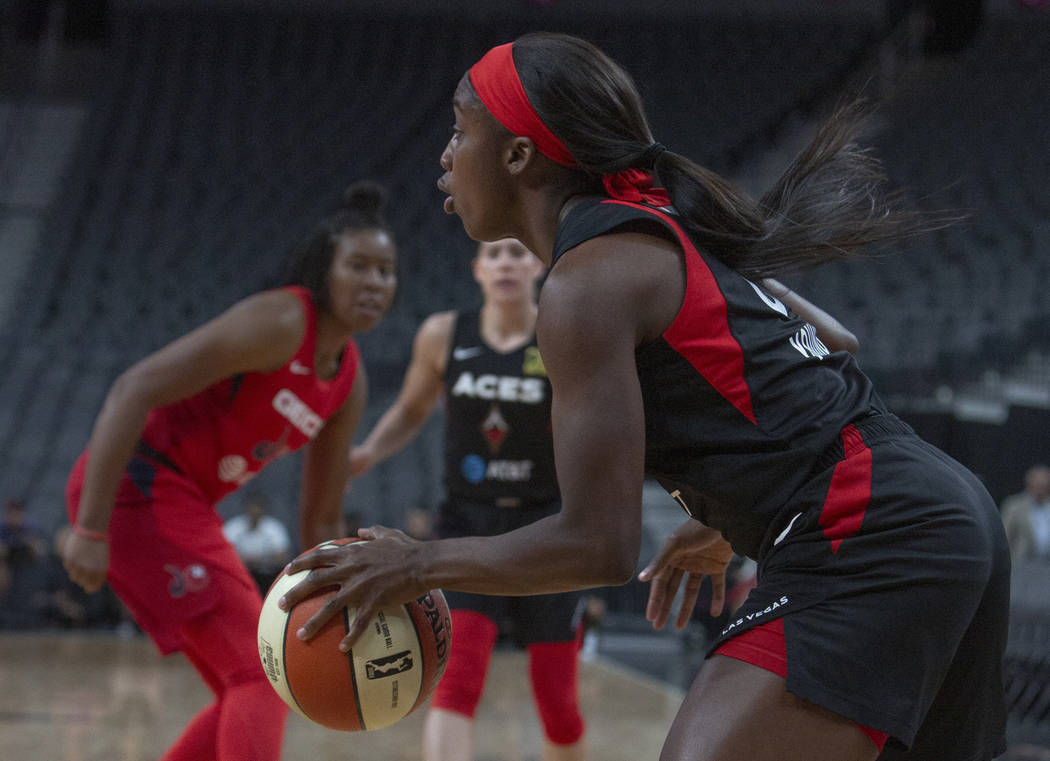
{"type": "Point", "coordinates": [826, 206]}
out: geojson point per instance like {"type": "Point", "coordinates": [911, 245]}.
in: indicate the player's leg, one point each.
{"type": "Point", "coordinates": [554, 675]}
{"type": "Point", "coordinates": [448, 730]}
{"type": "Point", "coordinates": [247, 719]}
{"type": "Point", "coordinates": [198, 737]}
{"type": "Point", "coordinates": [736, 710]}
{"type": "Point", "coordinates": [549, 626]}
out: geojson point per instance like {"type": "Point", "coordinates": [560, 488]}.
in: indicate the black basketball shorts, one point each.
{"type": "Point", "coordinates": [892, 575]}
{"type": "Point", "coordinates": [528, 619]}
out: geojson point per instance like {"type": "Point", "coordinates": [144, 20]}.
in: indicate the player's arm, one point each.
{"type": "Point", "coordinates": [259, 333]}
{"type": "Point", "coordinates": [830, 331]}
{"type": "Point", "coordinates": [588, 333]}
{"type": "Point", "coordinates": [326, 469]}
{"type": "Point", "coordinates": [420, 390]}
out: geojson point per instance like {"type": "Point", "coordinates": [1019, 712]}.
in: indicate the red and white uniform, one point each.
{"type": "Point", "coordinates": [169, 560]}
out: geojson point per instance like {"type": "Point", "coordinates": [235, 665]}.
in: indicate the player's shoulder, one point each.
{"type": "Point", "coordinates": [280, 307]}
{"type": "Point", "coordinates": [433, 339]}
{"type": "Point", "coordinates": [438, 325]}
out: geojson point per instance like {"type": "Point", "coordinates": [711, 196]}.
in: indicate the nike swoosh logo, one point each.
{"type": "Point", "coordinates": [299, 368]}
{"type": "Point", "coordinates": [466, 353]}
{"type": "Point", "coordinates": [784, 533]}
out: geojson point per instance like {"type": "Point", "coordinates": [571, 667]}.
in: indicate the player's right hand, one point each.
{"type": "Point", "coordinates": [85, 560]}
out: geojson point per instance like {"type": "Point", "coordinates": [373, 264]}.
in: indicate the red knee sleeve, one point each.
{"type": "Point", "coordinates": [553, 672]}
{"type": "Point", "coordinates": [468, 661]}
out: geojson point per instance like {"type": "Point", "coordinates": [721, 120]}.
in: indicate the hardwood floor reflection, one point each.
{"type": "Point", "coordinates": [78, 697]}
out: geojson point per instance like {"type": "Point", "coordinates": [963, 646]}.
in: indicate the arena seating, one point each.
{"type": "Point", "coordinates": [214, 141]}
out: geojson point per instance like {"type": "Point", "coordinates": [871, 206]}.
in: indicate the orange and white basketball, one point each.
{"type": "Point", "coordinates": [391, 670]}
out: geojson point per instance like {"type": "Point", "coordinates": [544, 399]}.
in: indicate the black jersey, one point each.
{"type": "Point", "coordinates": [498, 446]}
{"type": "Point", "coordinates": [741, 398]}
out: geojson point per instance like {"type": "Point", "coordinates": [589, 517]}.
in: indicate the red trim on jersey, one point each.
{"type": "Point", "coordinates": [700, 332]}
{"type": "Point", "coordinates": [850, 490]}
{"type": "Point", "coordinates": [766, 647]}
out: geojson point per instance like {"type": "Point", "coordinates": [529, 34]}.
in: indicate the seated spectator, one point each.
{"type": "Point", "coordinates": [22, 550]}
{"type": "Point", "coordinates": [261, 541]}
{"type": "Point", "coordinates": [1026, 516]}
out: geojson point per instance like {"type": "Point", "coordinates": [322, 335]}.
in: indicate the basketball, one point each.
{"type": "Point", "coordinates": [390, 671]}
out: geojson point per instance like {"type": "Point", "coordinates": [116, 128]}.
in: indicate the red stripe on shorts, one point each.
{"type": "Point", "coordinates": [764, 646]}
{"type": "Point", "coordinates": [850, 490]}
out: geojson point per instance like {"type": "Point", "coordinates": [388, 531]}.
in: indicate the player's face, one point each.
{"type": "Point", "coordinates": [477, 191]}
{"type": "Point", "coordinates": [362, 278]}
{"type": "Point", "coordinates": [506, 271]}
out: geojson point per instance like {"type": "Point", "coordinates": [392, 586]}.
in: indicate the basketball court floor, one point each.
{"type": "Point", "coordinates": [101, 697]}
{"type": "Point", "coordinates": [98, 697]}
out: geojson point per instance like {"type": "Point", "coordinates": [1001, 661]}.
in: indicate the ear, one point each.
{"type": "Point", "coordinates": [520, 152]}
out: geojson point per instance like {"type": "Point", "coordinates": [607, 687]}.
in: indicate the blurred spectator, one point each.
{"type": "Point", "coordinates": [22, 550]}
{"type": "Point", "coordinates": [1026, 516]}
{"type": "Point", "coordinates": [261, 541]}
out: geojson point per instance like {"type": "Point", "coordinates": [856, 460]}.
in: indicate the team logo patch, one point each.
{"type": "Point", "coordinates": [495, 429]}
{"type": "Point", "coordinates": [297, 412]}
{"type": "Point", "coordinates": [192, 578]}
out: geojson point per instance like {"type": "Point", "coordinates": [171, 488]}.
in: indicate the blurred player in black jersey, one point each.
{"type": "Point", "coordinates": [877, 625]}
{"type": "Point", "coordinates": [499, 475]}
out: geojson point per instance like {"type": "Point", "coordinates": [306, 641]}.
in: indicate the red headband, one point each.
{"type": "Point", "coordinates": [496, 81]}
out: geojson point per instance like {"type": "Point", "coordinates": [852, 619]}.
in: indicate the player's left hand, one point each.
{"type": "Point", "coordinates": [368, 574]}
{"type": "Point", "coordinates": [691, 552]}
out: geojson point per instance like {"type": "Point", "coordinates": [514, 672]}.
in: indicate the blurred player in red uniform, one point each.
{"type": "Point", "coordinates": [194, 421]}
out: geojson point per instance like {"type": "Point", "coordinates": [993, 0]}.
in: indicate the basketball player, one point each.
{"type": "Point", "coordinates": [189, 424]}
{"type": "Point", "coordinates": [499, 475]}
{"type": "Point", "coordinates": [878, 622]}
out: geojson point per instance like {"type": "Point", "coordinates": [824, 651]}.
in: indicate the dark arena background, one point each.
{"type": "Point", "coordinates": [160, 158]}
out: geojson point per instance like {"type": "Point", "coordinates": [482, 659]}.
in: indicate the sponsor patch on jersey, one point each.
{"type": "Point", "coordinates": [473, 468]}
{"type": "Point", "coordinates": [476, 469]}
{"type": "Point", "coordinates": [509, 470]}
{"type": "Point", "coordinates": [297, 412]}
{"type": "Point", "coordinates": [232, 468]}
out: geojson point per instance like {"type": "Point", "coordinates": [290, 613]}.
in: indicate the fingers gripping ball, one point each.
{"type": "Point", "coordinates": [390, 671]}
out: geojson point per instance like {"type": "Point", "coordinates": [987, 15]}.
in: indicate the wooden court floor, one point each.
{"type": "Point", "coordinates": [97, 697]}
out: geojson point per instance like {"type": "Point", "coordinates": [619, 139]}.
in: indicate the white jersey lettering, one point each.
{"type": "Point", "coordinates": [295, 411]}
{"type": "Point", "coordinates": [503, 388]}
